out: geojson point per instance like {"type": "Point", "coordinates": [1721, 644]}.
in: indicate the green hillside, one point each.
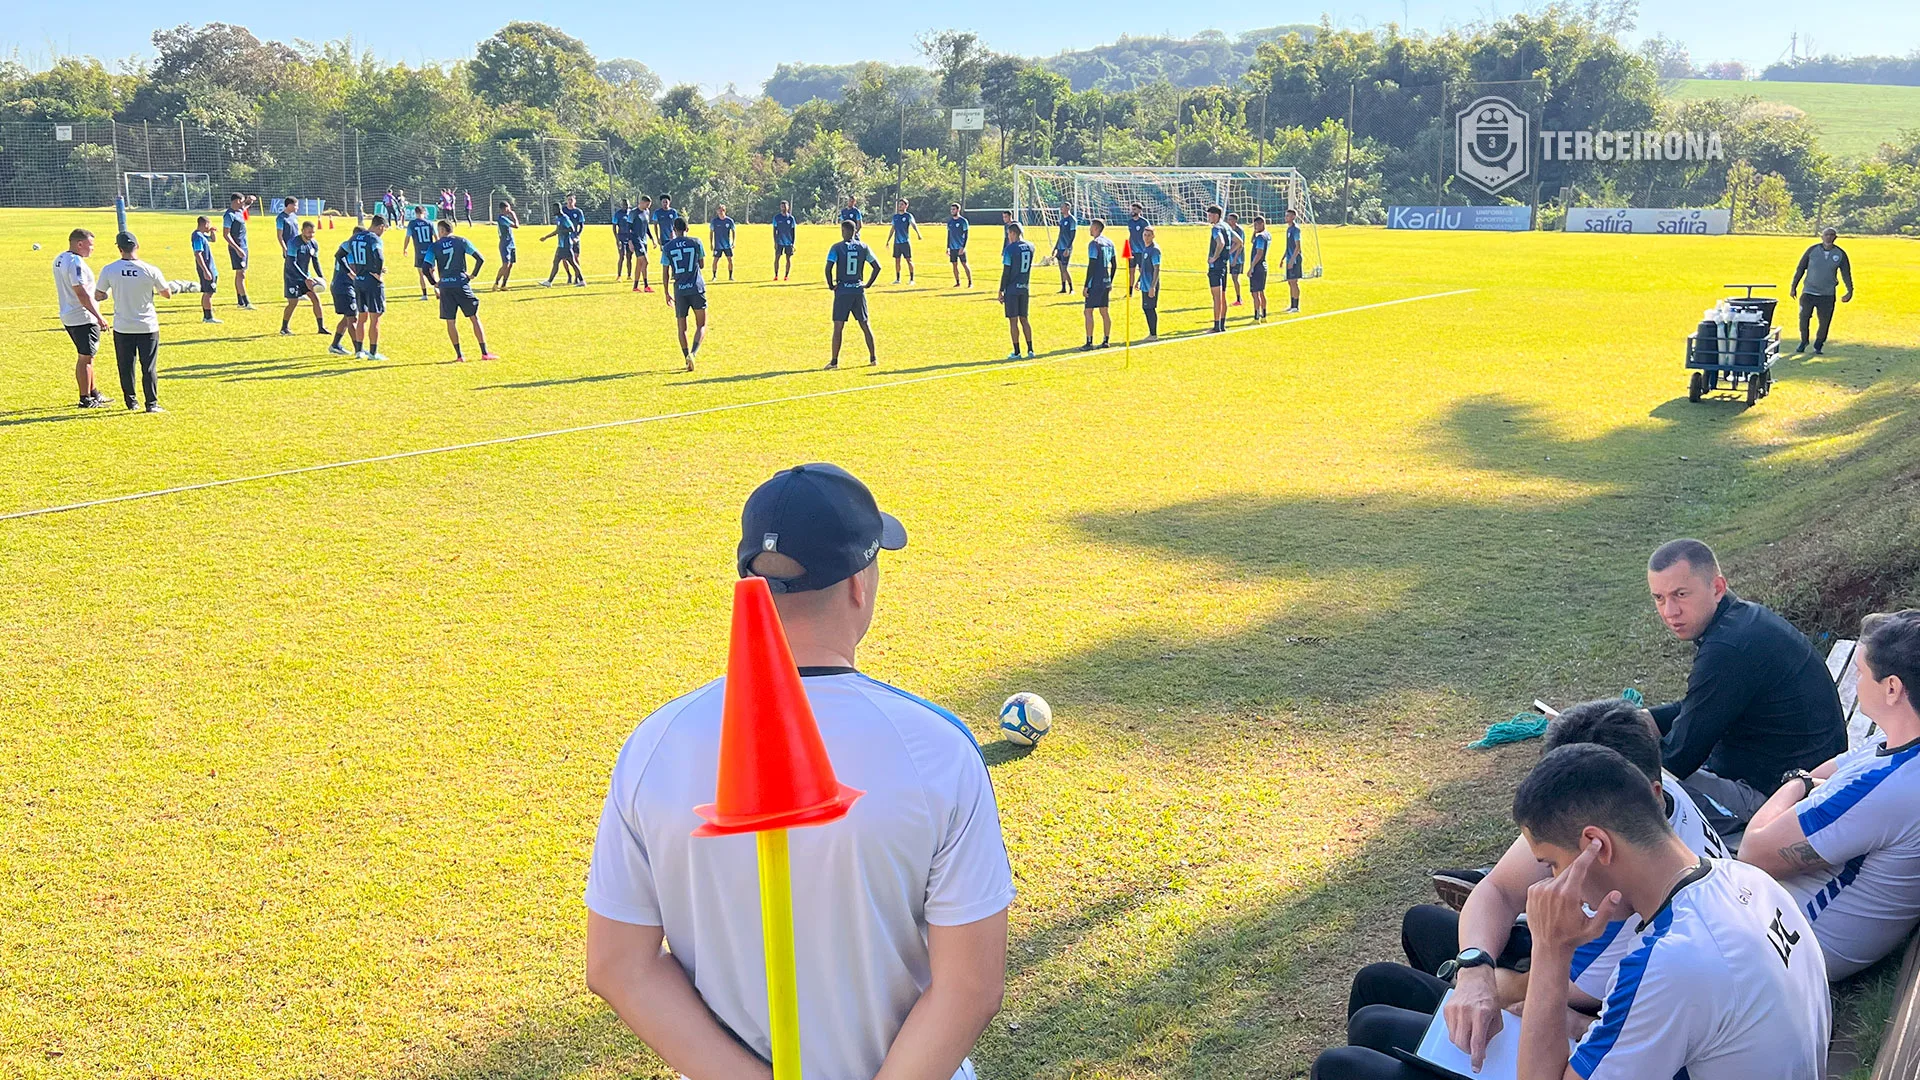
{"type": "Point", "coordinates": [1853, 118]}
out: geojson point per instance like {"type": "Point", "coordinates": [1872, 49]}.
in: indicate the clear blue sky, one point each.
{"type": "Point", "coordinates": [759, 34]}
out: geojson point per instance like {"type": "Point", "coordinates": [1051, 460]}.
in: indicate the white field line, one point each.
{"type": "Point", "coordinates": [985, 369]}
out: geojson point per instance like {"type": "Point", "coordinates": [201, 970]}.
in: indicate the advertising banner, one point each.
{"type": "Point", "coordinates": [1618, 219]}
{"type": "Point", "coordinates": [1461, 218]}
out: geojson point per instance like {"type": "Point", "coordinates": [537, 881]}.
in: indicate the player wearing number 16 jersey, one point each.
{"type": "Point", "coordinates": [847, 262]}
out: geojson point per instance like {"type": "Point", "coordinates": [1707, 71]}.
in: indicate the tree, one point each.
{"type": "Point", "coordinates": [685, 104]}
{"type": "Point", "coordinates": [629, 74]}
{"type": "Point", "coordinates": [72, 89]}
{"type": "Point", "coordinates": [959, 60]}
{"type": "Point", "coordinates": [1668, 57]}
{"type": "Point", "coordinates": [529, 63]}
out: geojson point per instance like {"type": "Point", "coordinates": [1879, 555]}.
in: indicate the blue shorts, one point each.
{"type": "Point", "coordinates": [1016, 304]}
{"type": "Point", "coordinates": [370, 295]}
{"type": "Point", "coordinates": [294, 284]}
{"type": "Point", "coordinates": [508, 254]}
{"type": "Point", "coordinates": [902, 249]}
{"type": "Point", "coordinates": [723, 249]}
{"type": "Point", "coordinates": [850, 304]}
{"type": "Point", "coordinates": [783, 249]}
{"type": "Point", "coordinates": [423, 260]}
{"type": "Point", "coordinates": [237, 258]}
{"type": "Point", "coordinates": [1097, 295]}
{"type": "Point", "coordinates": [457, 300]}
{"type": "Point", "coordinates": [1257, 278]}
{"type": "Point", "coordinates": [344, 302]}
{"type": "Point", "coordinates": [685, 300]}
{"type": "Point", "coordinates": [1294, 269]}
{"type": "Point", "coordinates": [1217, 274]}
{"type": "Point", "coordinates": [957, 255]}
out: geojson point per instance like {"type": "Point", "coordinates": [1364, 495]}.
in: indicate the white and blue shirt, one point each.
{"type": "Point", "coordinates": [1865, 822]}
{"type": "Point", "coordinates": [922, 847]}
{"type": "Point", "coordinates": [1594, 962]}
{"type": "Point", "coordinates": [783, 228]}
{"type": "Point", "coordinates": [1069, 227]}
{"type": "Point", "coordinates": [1726, 982]}
{"type": "Point", "coordinates": [957, 229]}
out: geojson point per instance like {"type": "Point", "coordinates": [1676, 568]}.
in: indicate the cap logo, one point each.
{"type": "Point", "coordinates": [770, 542]}
{"type": "Point", "coordinates": [872, 550]}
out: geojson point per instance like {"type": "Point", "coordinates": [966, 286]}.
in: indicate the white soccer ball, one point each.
{"type": "Point", "coordinates": [36, 247]}
{"type": "Point", "coordinates": [1025, 718]}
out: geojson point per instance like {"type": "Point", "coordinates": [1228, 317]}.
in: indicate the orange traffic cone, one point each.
{"type": "Point", "coordinates": [774, 771]}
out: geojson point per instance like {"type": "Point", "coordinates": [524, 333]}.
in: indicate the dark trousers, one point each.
{"type": "Point", "coordinates": [144, 348]}
{"type": "Point", "coordinates": [1809, 304]}
{"type": "Point", "coordinates": [1729, 804]}
{"type": "Point", "coordinates": [1150, 307]}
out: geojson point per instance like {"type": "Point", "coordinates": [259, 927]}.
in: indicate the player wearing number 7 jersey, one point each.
{"type": "Point", "coordinates": [1724, 981]}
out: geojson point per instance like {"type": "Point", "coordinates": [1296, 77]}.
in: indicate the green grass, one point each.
{"type": "Point", "coordinates": [1853, 119]}
{"type": "Point", "coordinates": [301, 775]}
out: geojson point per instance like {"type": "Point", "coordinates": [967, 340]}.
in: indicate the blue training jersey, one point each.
{"type": "Point", "coordinates": [366, 254]}
{"type": "Point", "coordinates": [578, 217]}
{"type": "Point", "coordinates": [1100, 262]}
{"type": "Point", "coordinates": [342, 259]}
{"type": "Point", "coordinates": [902, 223]}
{"type": "Point", "coordinates": [1293, 244]}
{"type": "Point", "coordinates": [783, 228]}
{"type": "Point", "coordinates": [1240, 250]}
{"type": "Point", "coordinates": [683, 255]}
{"type": "Point", "coordinates": [1017, 257]}
{"type": "Point", "coordinates": [236, 225]}
{"type": "Point", "coordinates": [848, 260]}
{"type": "Point", "coordinates": [722, 233]}
{"type": "Point", "coordinates": [1137, 233]}
{"type": "Point", "coordinates": [303, 259]}
{"type": "Point", "coordinates": [505, 225]}
{"type": "Point", "coordinates": [957, 229]}
{"type": "Point", "coordinates": [1219, 245]}
{"type": "Point", "coordinates": [663, 219]}
{"type": "Point", "coordinates": [850, 213]}
{"type": "Point", "coordinates": [1259, 243]}
{"type": "Point", "coordinates": [204, 246]}
{"type": "Point", "coordinates": [1149, 267]}
{"type": "Point", "coordinates": [1069, 228]}
{"type": "Point", "coordinates": [420, 231]}
{"type": "Point", "coordinates": [450, 257]}
{"type": "Point", "coordinates": [287, 227]}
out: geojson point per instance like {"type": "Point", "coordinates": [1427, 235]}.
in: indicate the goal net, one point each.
{"type": "Point", "coordinates": [1169, 197]}
{"type": "Point", "coordinates": [167, 190]}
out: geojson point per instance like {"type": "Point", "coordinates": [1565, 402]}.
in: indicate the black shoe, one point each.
{"type": "Point", "coordinates": [1802, 347]}
{"type": "Point", "coordinates": [1454, 885]}
{"type": "Point", "coordinates": [1819, 350]}
{"type": "Point", "coordinates": [132, 404]}
{"type": "Point", "coordinates": [284, 332]}
{"type": "Point", "coordinates": [1088, 347]}
{"type": "Point", "coordinates": [1106, 344]}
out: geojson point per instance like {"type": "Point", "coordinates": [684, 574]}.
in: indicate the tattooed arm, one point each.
{"type": "Point", "coordinates": [1775, 841]}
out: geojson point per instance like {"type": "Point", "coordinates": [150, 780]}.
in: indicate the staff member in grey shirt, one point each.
{"type": "Point", "coordinates": [1824, 266]}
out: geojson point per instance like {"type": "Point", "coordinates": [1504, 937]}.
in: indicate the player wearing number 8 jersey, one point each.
{"type": "Point", "coordinates": [1016, 272]}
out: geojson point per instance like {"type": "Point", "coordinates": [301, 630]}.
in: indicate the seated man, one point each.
{"type": "Point", "coordinates": [1481, 946]}
{"type": "Point", "coordinates": [1845, 838]}
{"type": "Point", "coordinates": [1759, 700]}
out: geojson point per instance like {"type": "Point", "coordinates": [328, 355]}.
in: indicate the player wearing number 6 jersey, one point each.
{"type": "Point", "coordinates": [847, 262]}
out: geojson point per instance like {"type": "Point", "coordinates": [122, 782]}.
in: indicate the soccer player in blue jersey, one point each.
{"type": "Point", "coordinates": [1103, 263]}
{"type": "Point", "coordinates": [622, 242]}
{"type": "Point", "coordinates": [303, 279]}
{"type": "Point", "coordinates": [851, 212]}
{"type": "Point", "coordinates": [1294, 260]}
{"type": "Point", "coordinates": [564, 251]}
{"type": "Point", "coordinates": [783, 234]}
{"type": "Point", "coordinates": [209, 271]}
{"type": "Point", "coordinates": [1257, 267]}
{"type": "Point", "coordinates": [1237, 258]}
{"type": "Point", "coordinates": [664, 216]}
{"type": "Point", "coordinates": [1136, 242]}
{"type": "Point", "coordinates": [420, 238]}
{"type": "Point", "coordinates": [848, 263]}
{"type": "Point", "coordinates": [1219, 255]}
{"type": "Point", "coordinates": [1148, 263]}
{"type": "Point", "coordinates": [640, 227]}
{"type": "Point", "coordinates": [345, 304]}
{"type": "Point", "coordinates": [579, 219]}
{"type": "Point", "coordinates": [1063, 246]}
{"type": "Point", "coordinates": [233, 230]}
{"type": "Point", "coordinates": [1016, 270]}
{"type": "Point", "coordinates": [720, 232]}
{"type": "Point", "coordinates": [680, 263]}
{"type": "Point", "coordinates": [286, 227]}
{"type": "Point", "coordinates": [902, 246]}
{"type": "Point", "coordinates": [957, 229]}
{"type": "Point", "coordinates": [506, 221]}
{"type": "Point", "coordinates": [367, 255]}
{"type": "Point", "coordinates": [455, 261]}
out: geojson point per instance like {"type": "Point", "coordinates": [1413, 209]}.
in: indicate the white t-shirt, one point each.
{"type": "Point", "coordinates": [922, 846]}
{"type": "Point", "coordinates": [1594, 962]}
{"type": "Point", "coordinates": [1725, 983]}
{"type": "Point", "coordinates": [1865, 820]}
{"type": "Point", "coordinates": [132, 284]}
{"type": "Point", "coordinates": [70, 270]}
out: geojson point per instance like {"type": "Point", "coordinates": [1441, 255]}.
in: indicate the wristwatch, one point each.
{"type": "Point", "coordinates": [1468, 958]}
{"type": "Point", "coordinates": [1801, 775]}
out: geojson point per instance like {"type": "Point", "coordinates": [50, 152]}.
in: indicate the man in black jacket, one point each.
{"type": "Point", "coordinates": [1759, 700]}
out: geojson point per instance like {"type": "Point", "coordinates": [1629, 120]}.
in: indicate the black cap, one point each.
{"type": "Point", "coordinates": [124, 240]}
{"type": "Point", "coordinates": [821, 517]}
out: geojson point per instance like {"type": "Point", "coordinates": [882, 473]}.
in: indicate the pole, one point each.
{"type": "Point", "coordinates": [776, 928]}
{"type": "Point", "coordinates": [1261, 158]}
{"type": "Point", "coordinates": [900, 163]}
{"type": "Point", "coordinates": [963, 173]}
{"type": "Point", "coordinates": [1346, 186]}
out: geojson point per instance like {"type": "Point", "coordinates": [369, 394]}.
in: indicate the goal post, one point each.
{"type": "Point", "coordinates": [1178, 196]}
{"type": "Point", "coordinates": [167, 190]}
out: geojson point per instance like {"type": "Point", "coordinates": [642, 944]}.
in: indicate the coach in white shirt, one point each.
{"type": "Point", "coordinates": [73, 281]}
{"type": "Point", "coordinates": [1725, 980]}
{"type": "Point", "coordinates": [1845, 838]}
{"type": "Point", "coordinates": [136, 325]}
{"type": "Point", "coordinates": [900, 908]}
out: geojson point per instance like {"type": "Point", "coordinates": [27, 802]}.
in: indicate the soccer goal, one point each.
{"type": "Point", "coordinates": [1169, 196]}
{"type": "Point", "coordinates": [167, 190]}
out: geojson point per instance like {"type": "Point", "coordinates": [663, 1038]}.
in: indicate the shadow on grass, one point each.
{"type": "Point", "coordinates": [538, 383]}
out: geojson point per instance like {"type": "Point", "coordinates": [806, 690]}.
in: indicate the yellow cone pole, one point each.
{"type": "Point", "coordinates": [776, 931]}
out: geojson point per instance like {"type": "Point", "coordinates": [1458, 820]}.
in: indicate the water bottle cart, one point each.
{"type": "Point", "coordinates": [1737, 354]}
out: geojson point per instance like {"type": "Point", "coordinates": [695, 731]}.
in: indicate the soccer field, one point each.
{"type": "Point", "coordinates": [302, 772]}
